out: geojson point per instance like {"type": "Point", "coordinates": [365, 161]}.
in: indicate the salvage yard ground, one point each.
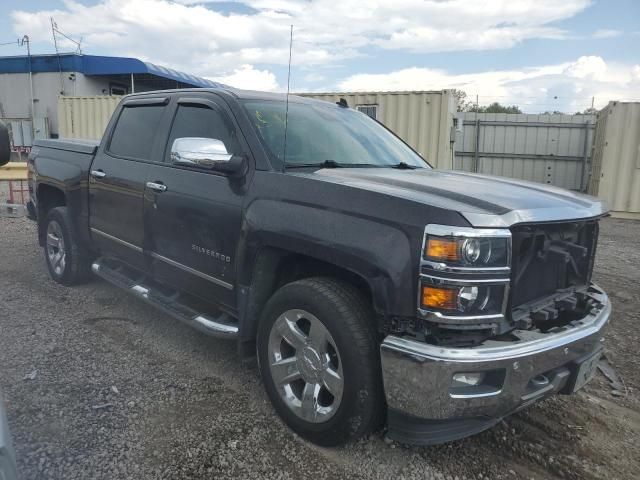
{"type": "Point", "coordinates": [99, 385]}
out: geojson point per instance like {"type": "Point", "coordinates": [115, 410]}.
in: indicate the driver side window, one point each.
{"type": "Point", "coordinates": [203, 122]}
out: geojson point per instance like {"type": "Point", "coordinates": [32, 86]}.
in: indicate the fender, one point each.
{"type": "Point", "coordinates": [72, 179]}
{"type": "Point", "coordinates": [379, 253]}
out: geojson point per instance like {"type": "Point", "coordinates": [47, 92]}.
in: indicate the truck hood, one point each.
{"type": "Point", "coordinates": [485, 201]}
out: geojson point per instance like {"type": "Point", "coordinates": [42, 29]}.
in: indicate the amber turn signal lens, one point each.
{"type": "Point", "coordinates": [440, 298]}
{"type": "Point", "coordinates": [443, 249]}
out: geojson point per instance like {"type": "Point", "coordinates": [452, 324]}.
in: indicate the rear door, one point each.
{"type": "Point", "coordinates": [117, 180]}
{"type": "Point", "coordinates": [193, 219]}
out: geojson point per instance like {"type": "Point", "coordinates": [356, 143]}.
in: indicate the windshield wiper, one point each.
{"type": "Point", "coordinates": [404, 166]}
{"type": "Point", "coordinates": [325, 164]}
{"type": "Point", "coordinates": [330, 164]}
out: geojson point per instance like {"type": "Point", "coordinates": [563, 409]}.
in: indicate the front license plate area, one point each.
{"type": "Point", "coordinates": [586, 370]}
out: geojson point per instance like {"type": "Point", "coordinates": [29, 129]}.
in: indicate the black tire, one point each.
{"type": "Point", "coordinates": [348, 317]}
{"type": "Point", "coordinates": [72, 268]}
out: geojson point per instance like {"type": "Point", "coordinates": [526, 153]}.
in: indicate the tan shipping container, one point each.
{"type": "Point", "coordinates": [422, 119]}
{"type": "Point", "coordinates": [615, 174]}
{"type": "Point", "coordinates": [85, 117]}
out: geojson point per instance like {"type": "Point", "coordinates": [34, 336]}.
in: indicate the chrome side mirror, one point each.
{"type": "Point", "coordinates": [5, 145]}
{"type": "Point", "coordinates": [199, 152]}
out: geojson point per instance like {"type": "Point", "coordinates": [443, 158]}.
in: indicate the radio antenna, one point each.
{"type": "Point", "coordinates": [286, 110]}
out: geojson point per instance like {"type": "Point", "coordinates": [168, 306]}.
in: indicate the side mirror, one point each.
{"type": "Point", "coordinates": [206, 153]}
{"type": "Point", "coordinates": [5, 145]}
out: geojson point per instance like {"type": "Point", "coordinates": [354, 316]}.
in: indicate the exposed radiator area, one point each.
{"type": "Point", "coordinates": [550, 272]}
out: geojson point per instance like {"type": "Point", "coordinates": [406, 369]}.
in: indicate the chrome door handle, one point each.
{"type": "Point", "coordinates": [98, 174]}
{"type": "Point", "coordinates": [157, 187]}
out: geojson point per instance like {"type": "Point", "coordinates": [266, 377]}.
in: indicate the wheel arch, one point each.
{"type": "Point", "coordinates": [274, 267]}
{"type": "Point", "coordinates": [48, 197]}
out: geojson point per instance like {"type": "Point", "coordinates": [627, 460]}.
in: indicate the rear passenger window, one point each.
{"type": "Point", "coordinates": [203, 122]}
{"type": "Point", "coordinates": [134, 132]}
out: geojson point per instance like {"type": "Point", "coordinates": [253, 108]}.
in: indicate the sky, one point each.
{"type": "Point", "coordinates": [542, 55]}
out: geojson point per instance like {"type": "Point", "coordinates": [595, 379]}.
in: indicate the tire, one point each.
{"type": "Point", "coordinates": [67, 261]}
{"type": "Point", "coordinates": [327, 388]}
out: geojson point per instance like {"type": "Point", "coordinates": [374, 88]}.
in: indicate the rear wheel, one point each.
{"type": "Point", "coordinates": [319, 362]}
{"type": "Point", "coordinates": [67, 262]}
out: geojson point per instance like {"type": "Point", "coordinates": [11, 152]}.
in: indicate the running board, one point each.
{"type": "Point", "coordinates": [142, 287]}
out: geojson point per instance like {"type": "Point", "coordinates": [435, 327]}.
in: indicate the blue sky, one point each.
{"type": "Point", "coordinates": [541, 55]}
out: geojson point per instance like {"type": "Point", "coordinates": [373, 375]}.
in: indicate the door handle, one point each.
{"type": "Point", "coordinates": [98, 174]}
{"type": "Point", "coordinates": [157, 186]}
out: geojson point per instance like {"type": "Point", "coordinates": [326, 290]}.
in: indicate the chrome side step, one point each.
{"type": "Point", "coordinates": [221, 326]}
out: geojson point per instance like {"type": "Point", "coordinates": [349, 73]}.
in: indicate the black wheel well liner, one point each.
{"type": "Point", "coordinates": [275, 267]}
{"type": "Point", "coordinates": [48, 197]}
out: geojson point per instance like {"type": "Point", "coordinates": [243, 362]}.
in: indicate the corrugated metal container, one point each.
{"type": "Point", "coordinates": [616, 158]}
{"type": "Point", "coordinates": [551, 149]}
{"type": "Point", "coordinates": [422, 119]}
{"type": "Point", "coordinates": [85, 117]}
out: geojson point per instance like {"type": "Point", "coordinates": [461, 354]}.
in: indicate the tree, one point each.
{"type": "Point", "coordinates": [495, 107]}
{"type": "Point", "coordinates": [588, 111]}
{"type": "Point", "coordinates": [464, 105]}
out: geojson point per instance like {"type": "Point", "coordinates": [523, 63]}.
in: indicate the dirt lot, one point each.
{"type": "Point", "coordinates": [122, 391]}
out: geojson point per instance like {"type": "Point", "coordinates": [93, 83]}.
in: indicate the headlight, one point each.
{"type": "Point", "coordinates": [464, 274]}
{"type": "Point", "coordinates": [478, 252]}
{"type": "Point", "coordinates": [444, 296]}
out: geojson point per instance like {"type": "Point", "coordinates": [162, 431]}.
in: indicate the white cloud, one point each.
{"type": "Point", "coordinates": [196, 36]}
{"type": "Point", "coordinates": [607, 33]}
{"type": "Point", "coordinates": [566, 86]}
{"type": "Point", "coordinates": [247, 77]}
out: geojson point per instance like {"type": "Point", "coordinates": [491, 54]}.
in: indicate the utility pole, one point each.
{"type": "Point", "coordinates": [55, 44]}
{"type": "Point", "coordinates": [593, 99]}
{"type": "Point", "coordinates": [25, 41]}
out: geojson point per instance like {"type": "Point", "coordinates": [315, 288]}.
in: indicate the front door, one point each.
{"type": "Point", "coordinates": [117, 182]}
{"type": "Point", "coordinates": [193, 215]}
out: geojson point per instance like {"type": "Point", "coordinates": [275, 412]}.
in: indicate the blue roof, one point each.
{"type": "Point", "coordinates": [98, 65]}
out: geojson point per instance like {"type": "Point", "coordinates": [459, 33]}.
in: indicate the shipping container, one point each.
{"type": "Point", "coordinates": [422, 119]}
{"type": "Point", "coordinates": [85, 117]}
{"type": "Point", "coordinates": [552, 149]}
{"type": "Point", "coordinates": [616, 158]}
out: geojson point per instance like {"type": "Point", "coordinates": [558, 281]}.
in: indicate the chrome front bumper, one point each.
{"type": "Point", "coordinates": [418, 377]}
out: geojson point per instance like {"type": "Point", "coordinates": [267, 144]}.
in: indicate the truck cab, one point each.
{"type": "Point", "coordinates": [372, 289]}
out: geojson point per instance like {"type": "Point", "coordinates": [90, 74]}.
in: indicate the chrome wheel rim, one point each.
{"type": "Point", "coordinates": [56, 253]}
{"type": "Point", "coordinates": [305, 366]}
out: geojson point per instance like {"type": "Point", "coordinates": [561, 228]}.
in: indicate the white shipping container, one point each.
{"type": "Point", "coordinates": [85, 117]}
{"type": "Point", "coordinates": [615, 175]}
{"type": "Point", "coordinates": [422, 119]}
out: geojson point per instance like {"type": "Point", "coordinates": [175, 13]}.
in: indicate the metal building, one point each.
{"type": "Point", "coordinates": [30, 86]}
{"type": "Point", "coordinates": [422, 119]}
{"type": "Point", "coordinates": [552, 149]}
{"type": "Point", "coordinates": [616, 158]}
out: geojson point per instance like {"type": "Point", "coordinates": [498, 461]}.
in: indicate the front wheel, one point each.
{"type": "Point", "coordinates": [319, 360]}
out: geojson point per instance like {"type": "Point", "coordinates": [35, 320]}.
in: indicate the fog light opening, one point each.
{"type": "Point", "coordinates": [470, 379]}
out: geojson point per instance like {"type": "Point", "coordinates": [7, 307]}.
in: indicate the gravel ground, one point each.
{"type": "Point", "coordinates": [99, 385]}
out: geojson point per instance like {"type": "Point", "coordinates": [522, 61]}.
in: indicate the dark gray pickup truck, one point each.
{"type": "Point", "coordinates": [373, 289]}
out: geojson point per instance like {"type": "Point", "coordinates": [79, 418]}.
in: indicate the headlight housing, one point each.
{"type": "Point", "coordinates": [447, 247]}
{"type": "Point", "coordinates": [451, 299]}
{"type": "Point", "coordinates": [464, 275]}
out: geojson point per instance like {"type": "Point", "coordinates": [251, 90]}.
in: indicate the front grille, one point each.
{"type": "Point", "coordinates": [551, 260]}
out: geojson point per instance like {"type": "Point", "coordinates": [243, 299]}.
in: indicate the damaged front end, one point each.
{"type": "Point", "coordinates": [506, 317]}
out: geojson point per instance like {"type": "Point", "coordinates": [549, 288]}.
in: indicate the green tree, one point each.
{"type": "Point", "coordinates": [466, 105]}
{"type": "Point", "coordinates": [495, 107]}
{"type": "Point", "coordinates": [462, 104]}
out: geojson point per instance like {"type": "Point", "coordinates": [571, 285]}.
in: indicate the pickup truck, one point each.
{"type": "Point", "coordinates": [372, 289]}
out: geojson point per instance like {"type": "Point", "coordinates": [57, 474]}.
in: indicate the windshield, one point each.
{"type": "Point", "coordinates": [327, 135]}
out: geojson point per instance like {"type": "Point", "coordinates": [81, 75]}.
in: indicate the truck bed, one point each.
{"type": "Point", "coordinates": [70, 145]}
